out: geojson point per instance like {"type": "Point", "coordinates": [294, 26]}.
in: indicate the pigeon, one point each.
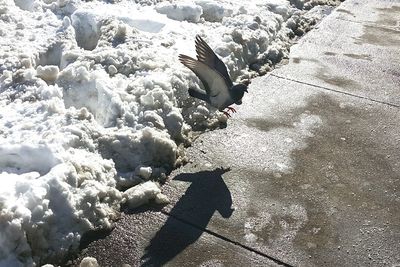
{"type": "Point", "coordinates": [220, 92]}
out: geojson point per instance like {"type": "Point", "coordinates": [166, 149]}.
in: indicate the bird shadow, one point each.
{"type": "Point", "coordinates": [189, 217]}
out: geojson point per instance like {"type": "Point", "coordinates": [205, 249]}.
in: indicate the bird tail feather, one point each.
{"type": "Point", "coordinates": [197, 94]}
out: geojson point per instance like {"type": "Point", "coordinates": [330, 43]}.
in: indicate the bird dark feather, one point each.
{"type": "Point", "coordinates": [194, 66]}
{"type": "Point", "coordinates": [206, 55]}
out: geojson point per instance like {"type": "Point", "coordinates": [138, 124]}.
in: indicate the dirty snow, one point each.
{"type": "Point", "coordinates": [93, 101]}
{"type": "Point", "coordinates": [143, 193]}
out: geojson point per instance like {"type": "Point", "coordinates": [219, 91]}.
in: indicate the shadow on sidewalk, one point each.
{"type": "Point", "coordinates": [206, 194]}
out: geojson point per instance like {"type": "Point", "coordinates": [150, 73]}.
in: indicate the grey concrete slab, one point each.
{"type": "Point", "coordinates": [376, 12]}
{"type": "Point", "coordinates": [154, 239]}
{"type": "Point", "coordinates": [351, 57]}
{"type": "Point", "coordinates": [314, 177]}
{"type": "Point", "coordinates": [305, 175]}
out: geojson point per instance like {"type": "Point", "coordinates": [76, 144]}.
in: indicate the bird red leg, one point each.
{"type": "Point", "coordinates": [226, 114]}
{"type": "Point", "coordinates": [231, 109]}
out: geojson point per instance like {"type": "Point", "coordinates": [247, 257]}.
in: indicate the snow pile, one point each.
{"type": "Point", "coordinates": [93, 101]}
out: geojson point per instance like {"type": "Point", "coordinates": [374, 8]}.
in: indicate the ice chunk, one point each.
{"type": "Point", "coordinates": [89, 262]}
{"type": "Point", "coordinates": [25, 4]}
{"type": "Point", "coordinates": [112, 70]}
{"type": "Point", "coordinates": [141, 194]}
{"type": "Point", "coordinates": [87, 28]}
{"type": "Point", "coordinates": [144, 172]}
{"type": "Point", "coordinates": [94, 91]}
{"type": "Point", "coordinates": [180, 11]}
{"type": "Point", "coordinates": [27, 158]}
{"type": "Point", "coordinates": [47, 73]}
{"type": "Point", "coordinates": [281, 7]}
{"type": "Point", "coordinates": [161, 199]}
{"type": "Point", "coordinates": [214, 11]}
{"type": "Point", "coordinates": [144, 24]}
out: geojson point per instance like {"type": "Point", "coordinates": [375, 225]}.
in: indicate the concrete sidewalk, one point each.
{"type": "Point", "coordinates": [307, 173]}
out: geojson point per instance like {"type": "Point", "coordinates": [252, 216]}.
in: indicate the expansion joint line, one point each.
{"type": "Point", "coordinates": [277, 261]}
{"type": "Point", "coordinates": [336, 91]}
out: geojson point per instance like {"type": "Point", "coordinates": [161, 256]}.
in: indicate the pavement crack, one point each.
{"type": "Point", "coordinates": [275, 260]}
{"type": "Point", "coordinates": [336, 91]}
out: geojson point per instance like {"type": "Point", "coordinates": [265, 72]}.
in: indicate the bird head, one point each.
{"type": "Point", "coordinates": [238, 92]}
{"type": "Point", "coordinates": [240, 88]}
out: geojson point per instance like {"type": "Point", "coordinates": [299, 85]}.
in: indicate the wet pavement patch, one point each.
{"type": "Point", "coordinates": [358, 56]}
{"type": "Point", "coordinates": [266, 125]}
{"type": "Point", "coordinates": [382, 34]}
{"type": "Point", "coordinates": [379, 36]}
{"type": "Point", "coordinates": [389, 16]}
{"type": "Point", "coordinates": [339, 176]}
{"type": "Point", "coordinates": [324, 74]}
{"type": "Point", "coordinates": [355, 56]}
{"type": "Point", "coordinates": [345, 11]}
{"type": "Point", "coordinates": [330, 53]}
{"type": "Point", "coordinates": [298, 60]}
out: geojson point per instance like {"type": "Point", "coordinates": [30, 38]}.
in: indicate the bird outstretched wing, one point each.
{"type": "Point", "coordinates": [206, 55]}
{"type": "Point", "coordinates": [214, 83]}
